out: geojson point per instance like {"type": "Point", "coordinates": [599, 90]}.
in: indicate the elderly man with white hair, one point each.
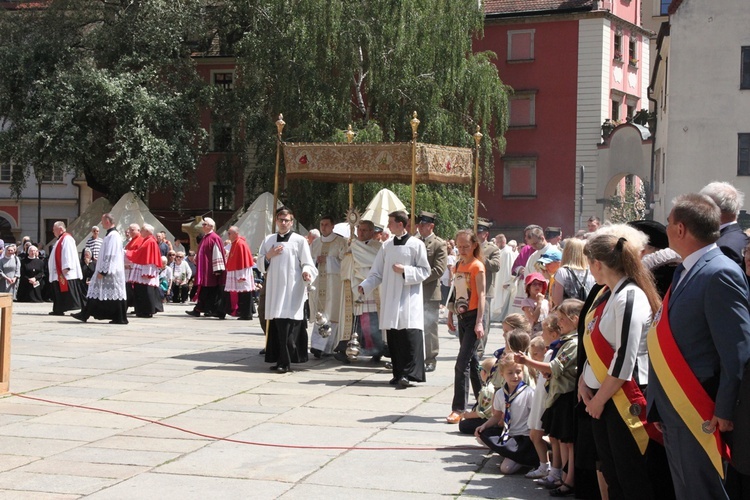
{"type": "Point", "coordinates": [732, 240]}
{"type": "Point", "coordinates": [144, 274]}
{"type": "Point", "coordinates": [65, 273]}
{"type": "Point", "coordinates": [210, 273]}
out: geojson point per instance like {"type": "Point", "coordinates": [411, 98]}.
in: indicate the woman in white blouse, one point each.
{"type": "Point", "coordinates": [617, 362]}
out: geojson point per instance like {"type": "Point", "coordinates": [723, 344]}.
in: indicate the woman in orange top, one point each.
{"type": "Point", "coordinates": [468, 306]}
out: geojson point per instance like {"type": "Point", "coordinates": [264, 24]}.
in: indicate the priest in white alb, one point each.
{"type": "Point", "coordinates": [106, 298]}
{"type": "Point", "coordinates": [400, 268]}
{"type": "Point", "coordinates": [65, 273]}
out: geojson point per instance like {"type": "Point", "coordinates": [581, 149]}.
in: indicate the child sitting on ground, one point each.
{"type": "Point", "coordinates": [507, 431]}
{"type": "Point", "coordinates": [482, 411]}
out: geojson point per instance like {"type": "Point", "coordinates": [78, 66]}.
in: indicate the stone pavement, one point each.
{"type": "Point", "coordinates": [203, 379]}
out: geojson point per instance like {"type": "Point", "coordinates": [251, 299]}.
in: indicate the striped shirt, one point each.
{"type": "Point", "coordinates": [94, 244]}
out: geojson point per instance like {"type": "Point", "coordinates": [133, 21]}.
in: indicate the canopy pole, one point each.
{"type": "Point", "coordinates": [279, 127]}
{"type": "Point", "coordinates": [349, 137]}
{"type": "Point", "coordinates": [477, 140]}
{"type": "Point", "coordinates": [414, 126]}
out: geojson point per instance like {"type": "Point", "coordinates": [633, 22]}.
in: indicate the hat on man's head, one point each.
{"type": "Point", "coordinates": [483, 226]}
{"type": "Point", "coordinates": [552, 232]}
{"type": "Point", "coordinates": [427, 217]}
{"type": "Point", "coordinates": [378, 228]}
{"type": "Point", "coordinates": [552, 255]}
{"type": "Point", "coordinates": [656, 232]}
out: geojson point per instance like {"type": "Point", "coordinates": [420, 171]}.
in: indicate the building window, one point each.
{"type": "Point", "coordinates": [221, 138]}
{"type": "Point", "coordinates": [631, 112]}
{"type": "Point", "coordinates": [56, 176]}
{"type": "Point", "coordinates": [6, 172]}
{"type": "Point", "coordinates": [222, 197]}
{"type": "Point", "coordinates": [745, 83]}
{"type": "Point", "coordinates": [615, 110]}
{"type": "Point", "coordinates": [522, 109]}
{"type": "Point", "coordinates": [519, 177]}
{"type": "Point", "coordinates": [521, 45]}
{"type": "Point", "coordinates": [224, 80]}
{"type": "Point", "coordinates": [618, 47]}
{"type": "Point", "coordinates": [633, 52]}
{"type": "Point", "coordinates": [743, 154]}
{"type": "Point", "coordinates": [665, 7]}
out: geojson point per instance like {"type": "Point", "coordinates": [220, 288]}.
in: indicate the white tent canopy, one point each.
{"type": "Point", "coordinates": [257, 222]}
{"type": "Point", "coordinates": [80, 229]}
{"type": "Point", "coordinates": [130, 209]}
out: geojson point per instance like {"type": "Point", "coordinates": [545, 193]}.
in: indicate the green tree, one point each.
{"type": "Point", "coordinates": [107, 89]}
{"type": "Point", "coordinates": [328, 64]}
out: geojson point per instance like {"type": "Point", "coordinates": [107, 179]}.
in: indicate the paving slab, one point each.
{"type": "Point", "coordinates": [300, 435]}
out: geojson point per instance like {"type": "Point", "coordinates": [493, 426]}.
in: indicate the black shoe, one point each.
{"type": "Point", "coordinates": [317, 353]}
{"type": "Point", "coordinates": [403, 382]}
{"type": "Point", "coordinates": [375, 359]}
{"type": "Point", "coordinates": [340, 356]}
{"type": "Point", "coordinates": [113, 322]}
{"type": "Point", "coordinates": [245, 318]}
{"type": "Point", "coordinates": [53, 313]}
{"type": "Point", "coordinates": [393, 381]}
{"type": "Point", "coordinates": [389, 365]}
{"type": "Point", "coordinates": [274, 368]}
{"type": "Point", "coordinates": [262, 352]}
{"type": "Point", "coordinates": [429, 367]}
{"type": "Point", "coordinates": [283, 369]}
{"type": "Point", "coordinates": [193, 313]}
{"type": "Point", "coordinates": [79, 317]}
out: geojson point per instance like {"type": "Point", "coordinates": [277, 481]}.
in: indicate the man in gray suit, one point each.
{"type": "Point", "coordinates": [705, 320]}
{"type": "Point", "coordinates": [437, 256]}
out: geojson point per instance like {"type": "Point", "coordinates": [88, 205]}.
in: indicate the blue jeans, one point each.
{"type": "Point", "coordinates": [467, 362]}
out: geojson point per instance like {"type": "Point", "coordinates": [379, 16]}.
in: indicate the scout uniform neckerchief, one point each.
{"type": "Point", "coordinates": [509, 398]}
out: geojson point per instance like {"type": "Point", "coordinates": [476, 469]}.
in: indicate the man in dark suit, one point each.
{"type": "Point", "coordinates": [732, 240]}
{"type": "Point", "coordinates": [437, 256]}
{"type": "Point", "coordinates": [699, 342]}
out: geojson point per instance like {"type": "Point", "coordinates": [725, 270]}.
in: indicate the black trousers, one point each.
{"type": "Point", "coordinates": [622, 464]}
{"type": "Point", "coordinates": [210, 300]}
{"type": "Point", "coordinates": [407, 353]}
{"type": "Point", "coordinates": [286, 342]}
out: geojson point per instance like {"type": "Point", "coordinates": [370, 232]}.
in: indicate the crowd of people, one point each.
{"type": "Point", "coordinates": [621, 371]}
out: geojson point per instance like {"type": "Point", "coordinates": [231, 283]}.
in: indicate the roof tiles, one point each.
{"type": "Point", "coordinates": [500, 7]}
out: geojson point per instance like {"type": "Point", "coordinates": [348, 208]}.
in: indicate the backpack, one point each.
{"type": "Point", "coordinates": [579, 291]}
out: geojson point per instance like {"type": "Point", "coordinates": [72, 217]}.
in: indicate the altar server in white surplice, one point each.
{"type": "Point", "coordinates": [400, 268]}
{"type": "Point", "coordinates": [285, 256]}
{"type": "Point", "coordinates": [106, 296]}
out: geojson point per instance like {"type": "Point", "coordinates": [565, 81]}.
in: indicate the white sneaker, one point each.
{"type": "Point", "coordinates": [539, 472]}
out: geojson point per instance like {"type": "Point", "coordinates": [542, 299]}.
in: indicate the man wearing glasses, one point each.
{"type": "Point", "coordinates": [210, 273]}
{"type": "Point", "coordinates": [285, 257]}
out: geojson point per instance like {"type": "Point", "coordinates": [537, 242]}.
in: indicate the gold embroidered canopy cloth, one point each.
{"type": "Point", "coordinates": [387, 162]}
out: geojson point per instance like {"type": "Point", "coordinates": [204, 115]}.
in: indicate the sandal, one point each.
{"type": "Point", "coordinates": [565, 490]}
{"type": "Point", "coordinates": [453, 418]}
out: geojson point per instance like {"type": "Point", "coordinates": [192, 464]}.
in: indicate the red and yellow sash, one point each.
{"type": "Point", "coordinates": [629, 400]}
{"type": "Point", "coordinates": [61, 280]}
{"type": "Point", "coordinates": [686, 394]}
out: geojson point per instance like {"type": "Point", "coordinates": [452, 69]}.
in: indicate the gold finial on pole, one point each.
{"type": "Point", "coordinates": [349, 134]}
{"type": "Point", "coordinates": [280, 128]}
{"type": "Point", "coordinates": [414, 126]}
{"type": "Point", "coordinates": [477, 140]}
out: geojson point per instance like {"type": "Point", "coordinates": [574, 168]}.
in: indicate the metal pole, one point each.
{"type": "Point", "coordinates": [477, 140]}
{"type": "Point", "coordinates": [414, 126]}
{"type": "Point", "coordinates": [279, 127]}
{"type": "Point", "coordinates": [39, 210]}
{"type": "Point", "coordinates": [580, 200]}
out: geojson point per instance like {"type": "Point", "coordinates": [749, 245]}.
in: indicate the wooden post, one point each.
{"type": "Point", "coordinates": [477, 140]}
{"type": "Point", "coordinates": [6, 310]}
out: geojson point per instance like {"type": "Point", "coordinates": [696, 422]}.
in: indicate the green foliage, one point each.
{"type": "Point", "coordinates": [106, 89]}
{"type": "Point", "coordinates": [325, 65]}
